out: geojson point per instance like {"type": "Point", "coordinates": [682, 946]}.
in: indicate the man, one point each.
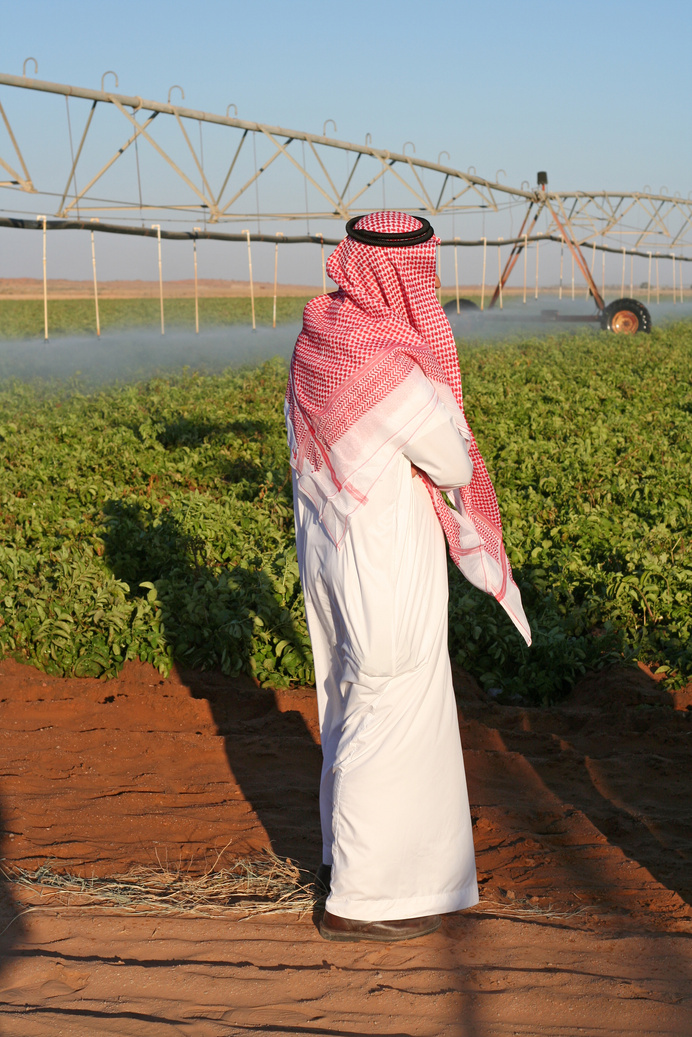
{"type": "Point", "coordinates": [377, 431]}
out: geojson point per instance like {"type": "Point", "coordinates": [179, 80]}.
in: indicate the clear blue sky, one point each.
{"type": "Point", "coordinates": [597, 93]}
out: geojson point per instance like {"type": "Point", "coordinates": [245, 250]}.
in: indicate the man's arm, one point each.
{"type": "Point", "coordinates": [443, 455]}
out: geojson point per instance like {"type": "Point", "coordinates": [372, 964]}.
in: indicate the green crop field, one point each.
{"type": "Point", "coordinates": [154, 521]}
{"type": "Point", "coordinates": [23, 318]}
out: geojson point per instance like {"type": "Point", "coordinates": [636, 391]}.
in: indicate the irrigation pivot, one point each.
{"type": "Point", "coordinates": [623, 316]}
{"type": "Point", "coordinates": [135, 164]}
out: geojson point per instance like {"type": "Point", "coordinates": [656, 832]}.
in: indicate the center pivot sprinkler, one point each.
{"type": "Point", "coordinates": [624, 316]}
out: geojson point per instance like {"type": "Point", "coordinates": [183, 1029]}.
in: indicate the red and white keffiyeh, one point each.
{"type": "Point", "coordinates": [373, 361]}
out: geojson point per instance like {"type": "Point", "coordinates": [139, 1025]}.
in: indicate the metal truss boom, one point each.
{"type": "Point", "coordinates": [647, 221]}
{"type": "Point", "coordinates": [137, 103]}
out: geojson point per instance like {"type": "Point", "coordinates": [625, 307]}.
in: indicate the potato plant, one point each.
{"type": "Point", "coordinates": [154, 521]}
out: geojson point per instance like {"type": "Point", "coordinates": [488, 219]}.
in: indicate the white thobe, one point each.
{"type": "Point", "coordinates": [396, 825]}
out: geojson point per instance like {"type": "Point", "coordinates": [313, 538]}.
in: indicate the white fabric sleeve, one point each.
{"type": "Point", "coordinates": [443, 455]}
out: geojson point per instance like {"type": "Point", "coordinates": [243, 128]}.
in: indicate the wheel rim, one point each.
{"type": "Point", "coordinates": [624, 322]}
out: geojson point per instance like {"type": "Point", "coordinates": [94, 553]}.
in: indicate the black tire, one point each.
{"type": "Point", "coordinates": [450, 307]}
{"type": "Point", "coordinates": [626, 317]}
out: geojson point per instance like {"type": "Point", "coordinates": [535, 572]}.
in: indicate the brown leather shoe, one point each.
{"type": "Point", "coordinates": [333, 927]}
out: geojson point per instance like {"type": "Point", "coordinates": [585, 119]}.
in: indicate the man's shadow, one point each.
{"type": "Point", "coordinates": [12, 927]}
{"type": "Point", "coordinates": [210, 613]}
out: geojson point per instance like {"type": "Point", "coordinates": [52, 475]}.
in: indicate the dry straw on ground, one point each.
{"type": "Point", "coordinates": [262, 885]}
{"type": "Point", "coordinates": [256, 886]}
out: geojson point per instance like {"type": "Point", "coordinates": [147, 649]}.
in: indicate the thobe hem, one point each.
{"type": "Point", "coordinates": [381, 910]}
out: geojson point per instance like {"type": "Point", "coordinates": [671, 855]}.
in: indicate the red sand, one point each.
{"type": "Point", "coordinates": [207, 287]}
{"type": "Point", "coordinates": [584, 808]}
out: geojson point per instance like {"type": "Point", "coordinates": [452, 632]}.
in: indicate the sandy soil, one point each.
{"type": "Point", "coordinates": [208, 288]}
{"type": "Point", "coordinates": [585, 808]}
